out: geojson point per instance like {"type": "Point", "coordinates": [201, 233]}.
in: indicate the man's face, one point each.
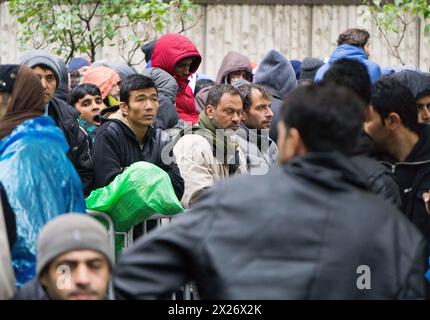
{"type": "Point", "coordinates": [259, 115]}
{"type": "Point", "coordinates": [77, 275]}
{"type": "Point", "coordinates": [182, 68]}
{"type": "Point", "coordinates": [4, 103]}
{"type": "Point", "coordinates": [423, 105]}
{"type": "Point", "coordinates": [228, 113]}
{"type": "Point", "coordinates": [49, 82]}
{"type": "Point", "coordinates": [89, 107]}
{"type": "Point", "coordinates": [142, 107]}
{"type": "Point", "coordinates": [376, 130]}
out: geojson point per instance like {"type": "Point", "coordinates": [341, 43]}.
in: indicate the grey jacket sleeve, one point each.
{"type": "Point", "coordinates": [415, 286]}
{"type": "Point", "coordinates": [162, 261]}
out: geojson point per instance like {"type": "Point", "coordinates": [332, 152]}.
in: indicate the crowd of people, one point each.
{"type": "Point", "coordinates": [294, 175]}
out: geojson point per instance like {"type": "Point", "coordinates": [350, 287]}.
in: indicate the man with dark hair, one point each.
{"type": "Point", "coordinates": [392, 125]}
{"type": "Point", "coordinates": [253, 135]}
{"type": "Point", "coordinates": [210, 154]}
{"type": "Point", "coordinates": [87, 99]}
{"type": "Point", "coordinates": [306, 230]}
{"type": "Point", "coordinates": [128, 135]}
{"type": "Point", "coordinates": [48, 70]}
{"type": "Point", "coordinates": [352, 44]}
{"type": "Point", "coordinates": [353, 75]}
{"type": "Point", "coordinates": [419, 84]}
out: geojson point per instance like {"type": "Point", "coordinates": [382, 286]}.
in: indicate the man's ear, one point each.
{"type": "Point", "coordinates": [43, 278]}
{"type": "Point", "coordinates": [393, 121]}
{"type": "Point", "coordinates": [210, 111]}
{"type": "Point", "coordinates": [367, 115]}
{"type": "Point", "coordinates": [124, 108]}
{"type": "Point", "coordinates": [297, 146]}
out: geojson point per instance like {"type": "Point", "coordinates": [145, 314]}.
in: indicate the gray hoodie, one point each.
{"type": "Point", "coordinates": [276, 73]}
{"type": "Point", "coordinates": [167, 117]}
{"type": "Point", "coordinates": [41, 57]}
{"type": "Point", "coordinates": [233, 61]}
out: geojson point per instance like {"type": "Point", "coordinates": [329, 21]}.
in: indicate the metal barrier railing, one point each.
{"type": "Point", "coordinates": [111, 236]}
{"type": "Point", "coordinates": [188, 291]}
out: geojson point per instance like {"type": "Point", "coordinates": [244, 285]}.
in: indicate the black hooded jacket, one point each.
{"type": "Point", "coordinates": [300, 232]}
{"type": "Point", "coordinates": [116, 148]}
{"type": "Point", "coordinates": [66, 118]}
{"type": "Point", "coordinates": [413, 176]}
{"type": "Point", "coordinates": [381, 180]}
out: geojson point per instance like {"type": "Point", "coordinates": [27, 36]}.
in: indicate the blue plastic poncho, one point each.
{"type": "Point", "coordinates": [41, 183]}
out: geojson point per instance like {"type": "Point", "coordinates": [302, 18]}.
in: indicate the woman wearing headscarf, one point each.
{"type": "Point", "coordinates": [39, 179]}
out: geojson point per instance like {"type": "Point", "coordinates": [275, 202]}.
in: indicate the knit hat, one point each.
{"type": "Point", "coordinates": [41, 57]}
{"type": "Point", "coordinates": [309, 68]}
{"type": "Point", "coordinates": [77, 63]}
{"type": "Point", "coordinates": [8, 73]}
{"type": "Point", "coordinates": [69, 232]}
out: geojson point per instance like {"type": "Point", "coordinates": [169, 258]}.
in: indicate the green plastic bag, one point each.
{"type": "Point", "coordinates": [142, 190]}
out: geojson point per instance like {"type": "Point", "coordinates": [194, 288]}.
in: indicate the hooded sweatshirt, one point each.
{"type": "Point", "coordinates": [232, 62]}
{"type": "Point", "coordinates": [351, 52]}
{"type": "Point", "coordinates": [168, 51]}
{"type": "Point", "coordinates": [167, 87]}
{"type": "Point", "coordinates": [277, 75]}
{"type": "Point", "coordinates": [413, 177]}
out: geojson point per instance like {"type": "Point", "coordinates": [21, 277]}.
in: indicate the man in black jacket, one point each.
{"type": "Point", "coordinates": [405, 144]}
{"type": "Point", "coordinates": [309, 229]}
{"type": "Point", "coordinates": [65, 116]}
{"type": "Point", "coordinates": [354, 75]}
{"type": "Point", "coordinates": [419, 84]}
{"type": "Point", "coordinates": [128, 136]}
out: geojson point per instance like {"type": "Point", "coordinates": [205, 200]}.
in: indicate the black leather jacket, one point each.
{"type": "Point", "coordinates": [300, 232]}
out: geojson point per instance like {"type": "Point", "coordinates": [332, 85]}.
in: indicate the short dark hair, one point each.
{"type": "Point", "coordinates": [81, 90]}
{"type": "Point", "coordinates": [354, 36]}
{"type": "Point", "coordinates": [389, 95]}
{"type": "Point", "coordinates": [352, 74]}
{"type": "Point", "coordinates": [246, 93]}
{"type": "Point", "coordinates": [132, 83]}
{"type": "Point", "coordinates": [217, 91]}
{"type": "Point", "coordinates": [328, 118]}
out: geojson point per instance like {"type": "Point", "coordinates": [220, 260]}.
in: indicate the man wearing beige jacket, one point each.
{"type": "Point", "coordinates": [211, 153]}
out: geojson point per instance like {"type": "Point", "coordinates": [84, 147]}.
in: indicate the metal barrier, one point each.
{"type": "Point", "coordinates": [188, 291]}
{"type": "Point", "coordinates": [111, 236]}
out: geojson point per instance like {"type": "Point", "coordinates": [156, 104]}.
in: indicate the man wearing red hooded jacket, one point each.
{"type": "Point", "coordinates": [177, 55]}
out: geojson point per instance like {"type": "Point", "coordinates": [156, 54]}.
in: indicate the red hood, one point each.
{"type": "Point", "coordinates": [172, 47]}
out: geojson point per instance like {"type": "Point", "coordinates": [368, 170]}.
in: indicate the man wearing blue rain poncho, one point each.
{"type": "Point", "coordinates": [40, 181]}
